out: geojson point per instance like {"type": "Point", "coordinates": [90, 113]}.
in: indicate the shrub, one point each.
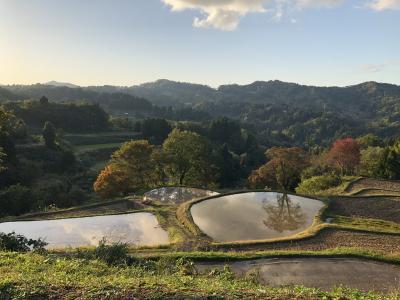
{"type": "Point", "coordinates": [317, 184]}
{"type": "Point", "coordinates": [19, 243]}
{"type": "Point", "coordinates": [114, 254]}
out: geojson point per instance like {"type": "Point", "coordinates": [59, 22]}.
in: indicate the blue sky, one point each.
{"type": "Point", "coordinates": [127, 42]}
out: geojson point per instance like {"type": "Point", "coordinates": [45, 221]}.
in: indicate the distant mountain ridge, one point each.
{"type": "Point", "coordinates": [171, 93]}
{"type": "Point", "coordinates": [280, 113]}
{"type": "Point", "coordinates": [65, 84]}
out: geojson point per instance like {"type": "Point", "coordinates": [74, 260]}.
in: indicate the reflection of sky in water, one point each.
{"type": "Point", "coordinates": [177, 194]}
{"type": "Point", "coordinates": [136, 228]}
{"type": "Point", "coordinates": [245, 217]}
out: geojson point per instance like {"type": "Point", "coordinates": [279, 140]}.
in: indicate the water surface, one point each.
{"type": "Point", "coordinates": [354, 273]}
{"type": "Point", "coordinates": [135, 228]}
{"type": "Point", "coordinates": [254, 216]}
{"type": "Point", "coordinates": [177, 195]}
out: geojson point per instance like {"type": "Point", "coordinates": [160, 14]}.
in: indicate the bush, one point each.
{"type": "Point", "coordinates": [19, 243]}
{"type": "Point", "coordinates": [317, 184]}
{"type": "Point", "coordinates": [114, 254]}
{"type": "Point", "coordinates": [15, 200]}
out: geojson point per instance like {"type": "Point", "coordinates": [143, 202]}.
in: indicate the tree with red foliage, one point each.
{"type": "Point", "coordinates": [344, 155]}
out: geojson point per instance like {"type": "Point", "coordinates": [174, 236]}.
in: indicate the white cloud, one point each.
{"type": "Point", "coordinates": [220, 14]}
{"type": "Point", "coordinates": [226, 14]}
{"type": "Point", "coordinates": [318, 3]}
{"type": "Point", "coordinates": [385, 4]}
{"type": "Point", "coordinates": [373, 68]}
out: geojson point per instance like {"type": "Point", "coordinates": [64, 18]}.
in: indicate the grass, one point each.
{"type": "Point", "coordinates": [370, 225]}
{"type": "Point", "coordinates": [33, 276]}
{"type": "Point", "coordinates": [220, 256]}
{"type": "Point", "coordinates": [85, 148]}
{"type": "Point", "coordinates": [101, 137]}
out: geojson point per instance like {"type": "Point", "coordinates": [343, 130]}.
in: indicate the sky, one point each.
{"type": "Point", "coordinates": [213, 42]}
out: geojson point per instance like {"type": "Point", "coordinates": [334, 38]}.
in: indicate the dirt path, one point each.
{"type": "Point", "coordinates": [324, 273]}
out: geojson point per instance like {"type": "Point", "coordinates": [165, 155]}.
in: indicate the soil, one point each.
{"type": "Point", "coordinates": [330, 238]}
{"type": "Point", "coordinates": [384, 208]}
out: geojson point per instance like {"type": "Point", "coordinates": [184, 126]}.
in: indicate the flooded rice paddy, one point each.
{"type": "Point", "coordinates": [140, 229]}
{"type": "Point", "coordinates": [255, 216]}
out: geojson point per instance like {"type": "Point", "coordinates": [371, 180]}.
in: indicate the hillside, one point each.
{"type": "Point", "coordinates": [6, 95]}
{"type": "Point", "coordinates": [280, 112]}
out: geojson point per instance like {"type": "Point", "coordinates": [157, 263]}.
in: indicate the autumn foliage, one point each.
{"type": "Point", "coordinates": [344, 155]}
{"type": "Point", "coordinates": [112, 181]}
{"type": "Point", "coordinates": [283, 169]}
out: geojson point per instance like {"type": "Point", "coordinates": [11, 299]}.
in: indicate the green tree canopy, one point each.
{"type": "Point", "coordinates": [188, 158]}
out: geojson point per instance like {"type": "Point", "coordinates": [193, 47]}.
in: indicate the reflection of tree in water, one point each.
{"type": "Point", "coordinates": [285, 215]}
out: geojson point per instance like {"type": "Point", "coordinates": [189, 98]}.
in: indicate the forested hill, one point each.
{"type": "Point", "coordinates": [6, 95]}
{"type": "Point", "coordinates": [363, 96]}
{"type": "Point", "coordinates": [111, 101]}
{"type": "Point", "coordinates": [279, 113]}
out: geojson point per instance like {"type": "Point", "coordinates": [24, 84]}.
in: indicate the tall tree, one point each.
{"type": "Point", "coordinates": [112, 181]}
{"type": "Point", "coordinates": [188, 158]}
{"type": "Point", "coordinates": [283, 169]}
{"type": "Point", "coordinates": [228, 166]}
{"type": "Point", "coordinates": [136, 158]}
{"type": "Point", "coordinates": [132, 167]}
{"type": "Point", "coordinates": [345, 155]}
{"type": "Point", "coordinates": [49, 134]}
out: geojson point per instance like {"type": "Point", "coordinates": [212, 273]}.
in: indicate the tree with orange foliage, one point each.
{"type": "Point", "coordinates": [283, 169]}
{"type": "Point", "coordinates": [132, 167]}
{"type": "Point", "coordinates": [112, 181]}
{"type": "Point", "coordinates": [344, 155]}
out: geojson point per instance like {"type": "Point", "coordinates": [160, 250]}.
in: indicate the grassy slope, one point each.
{"type": "Point", "coordinates": [69, 278]}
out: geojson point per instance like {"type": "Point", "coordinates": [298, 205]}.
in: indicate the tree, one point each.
{"type": "Point", "coordinates": [228, 166]}
{"type": "Point", "coordinates": [135, 157]}
{"type": "Point", "coordinates": [2, 156]}
{"type": "Point", "coordinates": [283, 169]}
{"type": "Point", "coordinates": [44, 100]}
{"type": "Point", "coordinates": [112, 181]}
{"type": "Point", "coordinates": [224, 130]}
{"type": "Point", "coordinates": [49, 134]}
{"type": "Point", "coordinates": [187, 157]}
{"type": "Point", "coordinates": [132, 167]}
{"type": "Point", "coordinates": [344, 155]}
{"type": "Point", "coordinates": [370, 161]}
{"type": "Point", "coordinates": [7, 133]}
{"type": "Point", "coordinates": [389, 164]}
{"type": "Point", "coordinates": [369, 140]}
{"type": "Point", "coordinates": [155, 129]}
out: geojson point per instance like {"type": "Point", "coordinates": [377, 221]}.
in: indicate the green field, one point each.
{"type": "Point", "coordinates": [110, 137]}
